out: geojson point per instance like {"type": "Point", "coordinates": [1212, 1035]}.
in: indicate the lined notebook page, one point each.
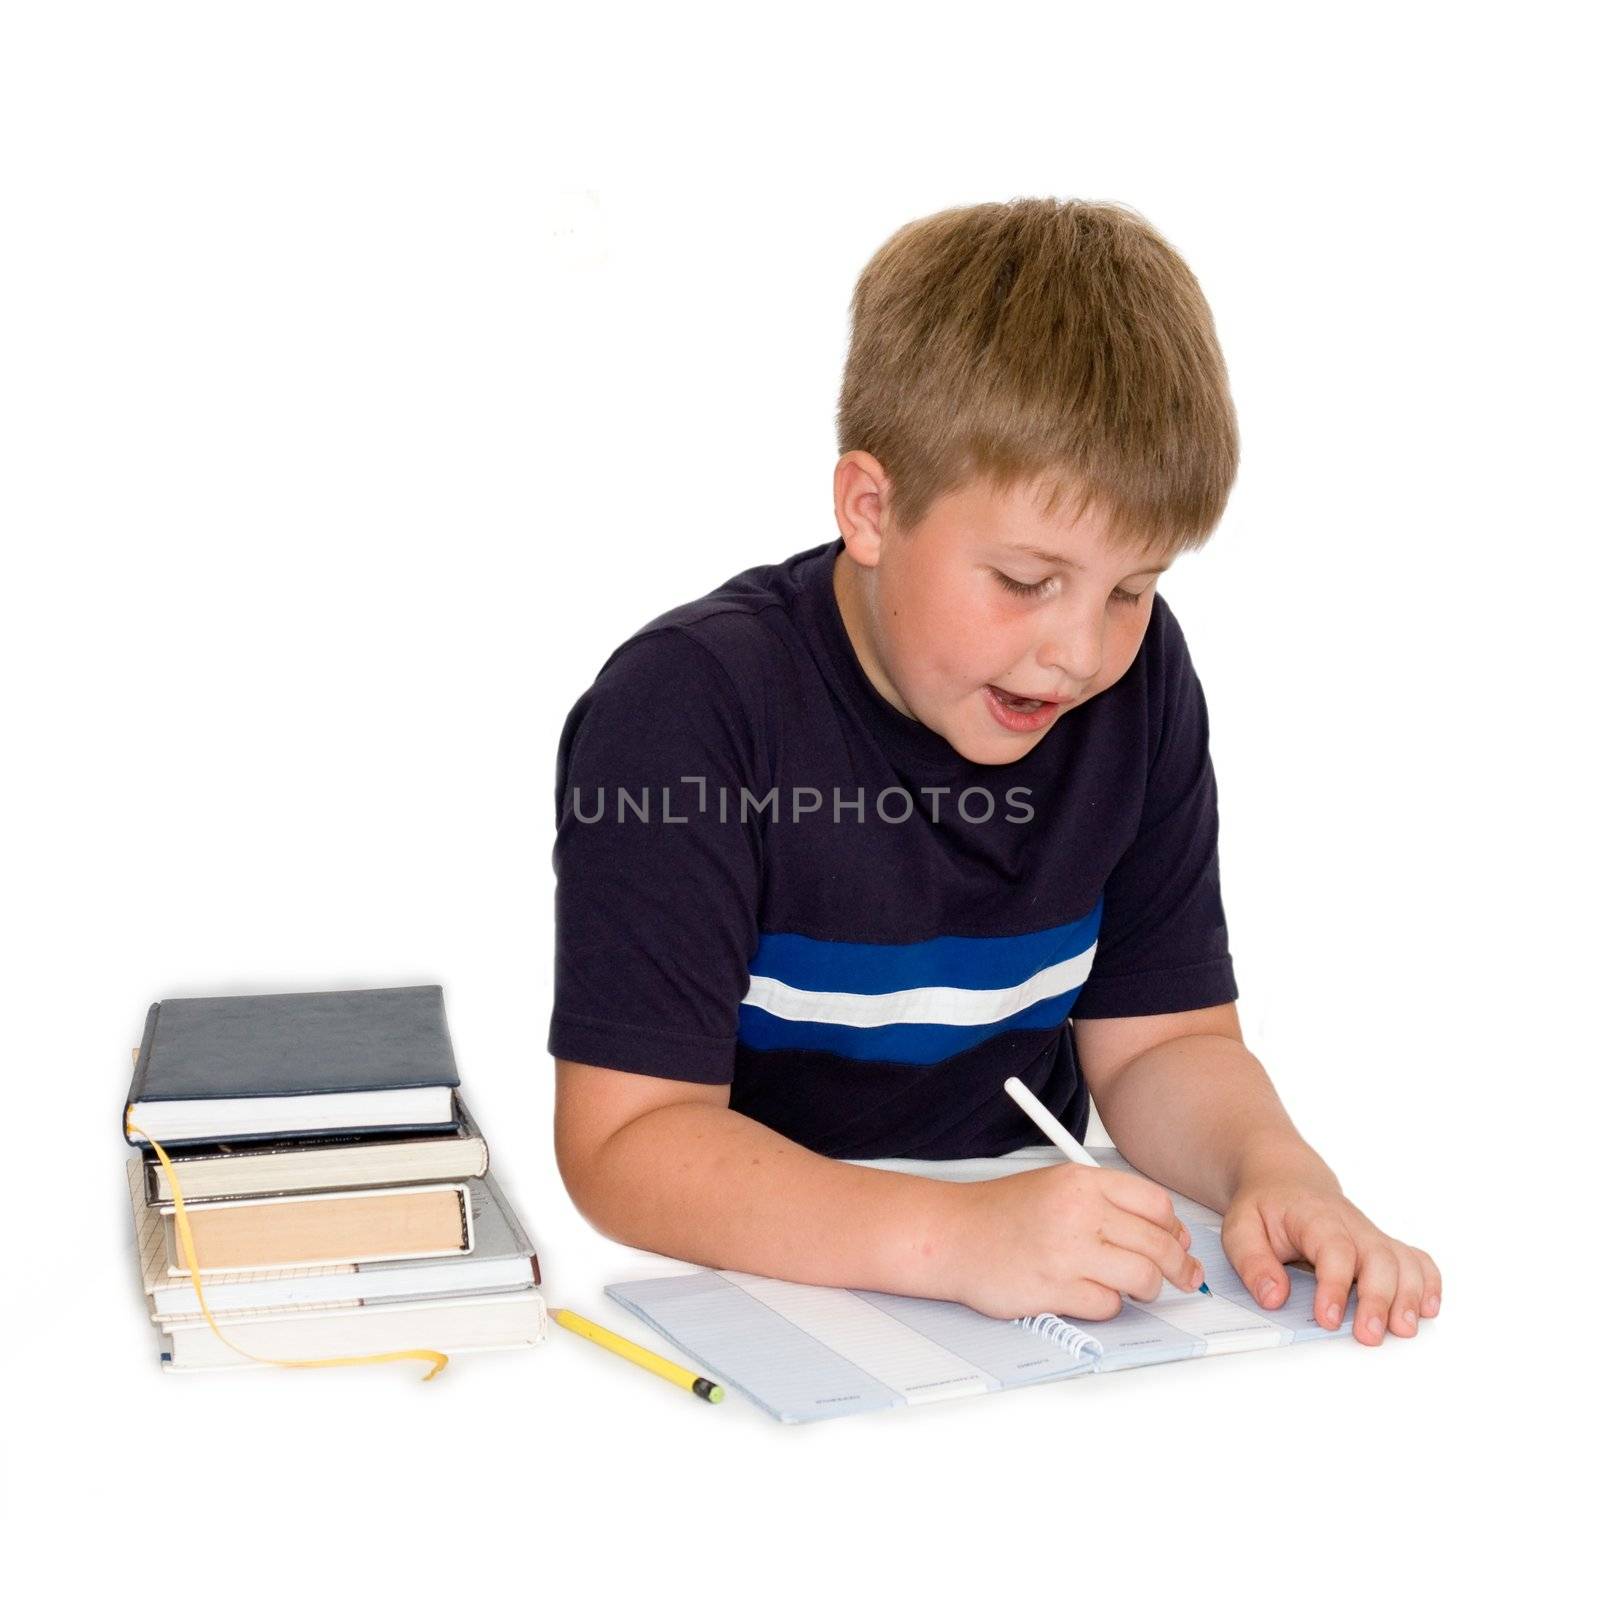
{"type": "Point", "coordinates": [868, 1337]}
{"type": "Point", "coordinates": [806, 1353]}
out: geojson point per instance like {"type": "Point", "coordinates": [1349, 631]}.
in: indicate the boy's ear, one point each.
{"type": "Point", "coordinates": [860, 494]}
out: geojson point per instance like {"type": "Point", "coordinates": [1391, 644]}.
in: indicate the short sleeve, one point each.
{"type": "Point", "coordinates": [1163, 943]}
{"type": "Point", "coordinates": [657, 872]}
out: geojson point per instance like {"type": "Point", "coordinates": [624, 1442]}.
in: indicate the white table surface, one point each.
{"type": "Point", "coordinates": [512, 1465]}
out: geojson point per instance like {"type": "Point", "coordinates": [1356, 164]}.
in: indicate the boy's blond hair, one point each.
{"type": "Point", "coordinates": [1057, 340]}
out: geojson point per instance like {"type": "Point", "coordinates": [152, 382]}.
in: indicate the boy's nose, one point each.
{"type": "Point", "coordinates": [1074, 652]}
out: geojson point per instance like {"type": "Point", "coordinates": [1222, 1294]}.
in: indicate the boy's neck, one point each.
{"type": "Point", "coordinates": [848, 583]}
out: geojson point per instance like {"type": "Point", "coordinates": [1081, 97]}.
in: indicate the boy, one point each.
{"type": "Point", "coordinates": [853, 838]}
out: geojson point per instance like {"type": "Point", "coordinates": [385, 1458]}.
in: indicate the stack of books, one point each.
{"type": "Point", "coordinates": [336, 1187]}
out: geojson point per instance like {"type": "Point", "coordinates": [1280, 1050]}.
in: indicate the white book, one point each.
{"type": "Point", "coordinates": [480, 1322]}
{"type": "Point", "coordinates": [227, 1172]}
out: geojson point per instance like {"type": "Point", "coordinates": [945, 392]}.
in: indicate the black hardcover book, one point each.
{"type": "Point", "coordinates": [285, 1066]}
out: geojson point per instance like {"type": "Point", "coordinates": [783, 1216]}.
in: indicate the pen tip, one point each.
{"type": "Point", "coordinates": [1205, 1288]}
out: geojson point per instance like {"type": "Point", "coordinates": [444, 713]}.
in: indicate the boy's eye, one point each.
{"type": "Point", "coordinates": [1017, 586]}
{"type": "Point", "coordinates": [1123, 597]}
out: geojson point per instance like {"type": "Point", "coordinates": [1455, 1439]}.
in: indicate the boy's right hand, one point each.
{"type": "Point", "coordinates": [1069, 1239]}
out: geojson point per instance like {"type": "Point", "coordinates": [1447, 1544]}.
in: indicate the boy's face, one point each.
{"type": "Point", "coordinates": [988, 622]}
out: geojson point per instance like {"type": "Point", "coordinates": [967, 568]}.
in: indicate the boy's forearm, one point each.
{"type": "Point", "coordinates": [704, 1183]}
{"type": "Point", "coordinates": [1199, 1115]}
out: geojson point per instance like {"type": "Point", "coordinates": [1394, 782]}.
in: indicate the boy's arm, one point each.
{"type": "Point", "coordinates": [668, 1166]}
{"type": "Point", "coordinates": [1190, 1106]}
{"type": "Point", "coordinates": [1186, 1102]}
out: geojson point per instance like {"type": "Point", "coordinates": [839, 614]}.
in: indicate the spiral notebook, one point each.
{"type": "Point", "coordinates": [805, 1353]}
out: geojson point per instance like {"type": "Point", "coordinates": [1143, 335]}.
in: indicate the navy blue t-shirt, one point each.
{"type": "Point", "coordinates": [767, 876]}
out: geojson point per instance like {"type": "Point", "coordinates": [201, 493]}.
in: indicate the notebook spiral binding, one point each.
{"type": "Point", "coordinates": [1058, 1331]}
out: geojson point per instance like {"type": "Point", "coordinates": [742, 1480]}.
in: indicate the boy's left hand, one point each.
{"type": "Point", "coordinates": [1275, 1217]}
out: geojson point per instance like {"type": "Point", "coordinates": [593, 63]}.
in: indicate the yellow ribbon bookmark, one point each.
{"type": "Point", "coordinates": [438, 1358]}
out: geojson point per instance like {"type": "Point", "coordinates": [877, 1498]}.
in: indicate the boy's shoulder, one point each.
{"type": "Point", "coordinates": [1164, 651]}
{"type": "Point", "coordinates": [737, 636]}
{"type": "Point", "coordinates": [701, 687]}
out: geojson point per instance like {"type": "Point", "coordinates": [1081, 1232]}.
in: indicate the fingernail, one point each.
{"type": "Point", "coordinates": [1375, 1326]}
{"type": "Point", "coordinates": [1197, 1277]}
{"type": "Point", "coordinates": [1336, 1313]}
{"type": "Point", "coordinates": [1266, 1289]}
{"type": "Point", "coordinates": [1410, 1317]}
{"type": "Point", "coordinates": [1431, 1305]}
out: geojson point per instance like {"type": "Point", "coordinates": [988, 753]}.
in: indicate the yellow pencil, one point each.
{"type": "Point", "coordinates": [648, 1359]}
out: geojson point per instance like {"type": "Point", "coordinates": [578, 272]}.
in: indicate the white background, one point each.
{"type": "Point", "coordinates": [369, 372]}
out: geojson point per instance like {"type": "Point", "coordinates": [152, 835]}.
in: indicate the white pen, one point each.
{"type": "Point", "coordinates": [1050, 1126]}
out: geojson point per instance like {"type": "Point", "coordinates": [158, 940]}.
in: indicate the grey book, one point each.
{"type": "Point", "coordinates": [279, 1066]}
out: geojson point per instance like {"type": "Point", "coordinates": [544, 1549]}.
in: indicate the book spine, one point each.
{"type": "Point", "coordinates": [454, 1076]}
{"type": "Point", "coordinates": [469, 1129]}
{"type": "Point", "coordinates": [141, 1071]}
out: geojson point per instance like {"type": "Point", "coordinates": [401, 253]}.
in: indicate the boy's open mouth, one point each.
{"type": "Point", "coordinates": [1020, 713]}
{"type": "Point", "coordinates": [1017, 702]}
